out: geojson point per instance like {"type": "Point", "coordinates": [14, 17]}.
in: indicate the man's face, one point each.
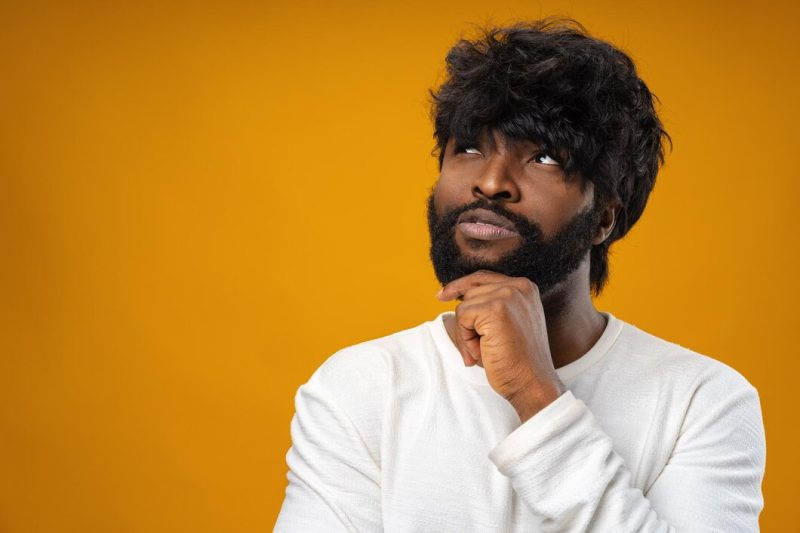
{"type": "Point", "coordinates": [506, 206]}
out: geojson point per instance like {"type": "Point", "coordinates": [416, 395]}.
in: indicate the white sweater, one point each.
{"type": "Point", "coordinates": [396, 435]}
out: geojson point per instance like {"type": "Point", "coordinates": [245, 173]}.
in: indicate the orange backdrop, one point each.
{"type": "Point", "coordinates": [200, 203]}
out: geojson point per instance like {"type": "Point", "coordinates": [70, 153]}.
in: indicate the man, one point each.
{"type": "Point", "coordinates": [527, 409]}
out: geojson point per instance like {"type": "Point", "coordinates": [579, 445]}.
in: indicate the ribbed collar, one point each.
{"type": "Point", "coordinates": [567, 374]}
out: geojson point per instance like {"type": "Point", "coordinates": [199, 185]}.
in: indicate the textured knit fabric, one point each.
{"type": "Point", "coordinates": [397, 435]}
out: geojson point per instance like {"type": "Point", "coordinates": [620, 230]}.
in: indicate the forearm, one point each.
{"type": "Point", "coordinates": [565, 469]}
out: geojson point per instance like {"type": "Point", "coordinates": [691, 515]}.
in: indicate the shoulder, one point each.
{"type": "Point", "coordinates": [371, 360]}
{"type": "Point", "coordinates": [706, 391]}
{"type": "Point", "coordinates": [719, 408]}
{"type": "Point", "coordinates": [359, 377]}
{"type": "Point", "coordinates": [652, 356]}
{"type": "Point", "coordinates": [706, 398]}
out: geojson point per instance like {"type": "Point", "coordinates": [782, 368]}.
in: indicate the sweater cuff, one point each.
{"type": "Point", "coordinates": [545, 426]}
{"type": "Point", "coordinates": [559, 461]}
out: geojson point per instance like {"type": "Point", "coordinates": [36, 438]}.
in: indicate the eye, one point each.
{"type": "Point", "coordinates": [545, 159]}
{"type": "Point", "coordinates": [467, 149]}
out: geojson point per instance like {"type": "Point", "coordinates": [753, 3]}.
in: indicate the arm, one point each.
{"type": "Point", "coordinates": [334, 472]}
{"type": "Point", "coordinates": [562, 463]}
{"type": "Point", "coordinates": [563, 466]}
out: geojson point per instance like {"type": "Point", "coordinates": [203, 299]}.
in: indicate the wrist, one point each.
{"type": "Point", "coordinates": [535, 396]}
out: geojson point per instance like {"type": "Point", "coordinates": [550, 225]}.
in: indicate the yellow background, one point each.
{"type": "Point", "coordinates": [200, 202]}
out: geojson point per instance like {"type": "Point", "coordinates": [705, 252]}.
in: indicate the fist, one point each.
{"type": "Point", "coordinates": [500, 325]}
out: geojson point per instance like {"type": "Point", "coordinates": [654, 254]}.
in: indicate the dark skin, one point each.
{"type": "Point", "coordinates": [504, 324]}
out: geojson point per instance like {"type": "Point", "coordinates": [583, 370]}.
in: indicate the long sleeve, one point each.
{"type": "Point", "coordinates": [564, 467]}
{"type": "Point", "coordinates": [334, 472]}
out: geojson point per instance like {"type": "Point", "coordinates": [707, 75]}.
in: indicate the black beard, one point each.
{"type": "Point", "coordinates": [546, 263]}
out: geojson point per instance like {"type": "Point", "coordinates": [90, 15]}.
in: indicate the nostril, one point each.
{"type": "Point", "coordinates": [499, 195]}
{"type": "Point", "coordinates": [502, 195]}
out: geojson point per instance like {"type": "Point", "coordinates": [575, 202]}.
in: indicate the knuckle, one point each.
{"type": "Point", "coordinates": [462, 311]}
{"type": "Point", "coordinates": [507, 291]}
{"type": "Point", "coordinates": [497, 306]}
{"type": "Point", "coordinates": [528, 287]}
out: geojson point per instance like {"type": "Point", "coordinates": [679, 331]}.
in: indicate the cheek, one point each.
{"type": "Point", "coordinates": [554, 206]}
{"type": "Point", "coordinates": [448, 194]}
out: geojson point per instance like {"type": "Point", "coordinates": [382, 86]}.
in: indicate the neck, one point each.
{"type": "Point", "coordinates": [573, 323]}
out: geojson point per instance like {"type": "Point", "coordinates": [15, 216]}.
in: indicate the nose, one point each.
{"type": "Point", "coordinates": [496, 181]}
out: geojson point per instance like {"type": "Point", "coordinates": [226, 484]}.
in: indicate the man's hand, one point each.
{"type": "Point", "coordinates": [500, 325]}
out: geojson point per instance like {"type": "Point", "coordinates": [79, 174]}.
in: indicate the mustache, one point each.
{"type": "Point", "coordinates": [522, 225]}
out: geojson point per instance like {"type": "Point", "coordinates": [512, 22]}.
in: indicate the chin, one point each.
{"type": "Point", "coordinates": [474, 249]}
{"type": "Point", "coordinates": [483, 261]}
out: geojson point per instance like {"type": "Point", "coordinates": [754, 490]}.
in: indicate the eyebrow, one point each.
{"type": "Point", "coordinates": [513, 143]}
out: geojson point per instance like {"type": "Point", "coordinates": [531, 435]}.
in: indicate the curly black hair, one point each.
{"type": "Point", "coordinates": [575, 95]}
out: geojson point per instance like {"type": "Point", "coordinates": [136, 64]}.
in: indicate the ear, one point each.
{"type": "Point", "coordinates": [607, 221]}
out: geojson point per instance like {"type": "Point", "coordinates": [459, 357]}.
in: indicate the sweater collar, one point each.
{"type": "Point", "coordinates": [568, 373]}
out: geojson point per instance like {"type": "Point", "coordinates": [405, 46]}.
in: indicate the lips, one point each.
{"type": "Point", "coordinates": [485, 225]}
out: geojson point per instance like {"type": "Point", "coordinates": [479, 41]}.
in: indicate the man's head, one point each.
{"type": "Point", "coordinates": [549, 133]}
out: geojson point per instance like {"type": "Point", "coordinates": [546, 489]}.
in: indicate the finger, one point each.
{"type": "Point", "coordinates": [463, 348]}
{"type": "Point", "coordinates": [466, 335]}
{"type": "Point", "coordinates": [505, 288]}
{"type": "Point", "coordinates": [490, 291]}
{"type": "Point", "coordinates": [471, 342]}
{"type": "Point", "coordinates": [457, 287]}
{"type": "Point", "coordinates": [464, 352]}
